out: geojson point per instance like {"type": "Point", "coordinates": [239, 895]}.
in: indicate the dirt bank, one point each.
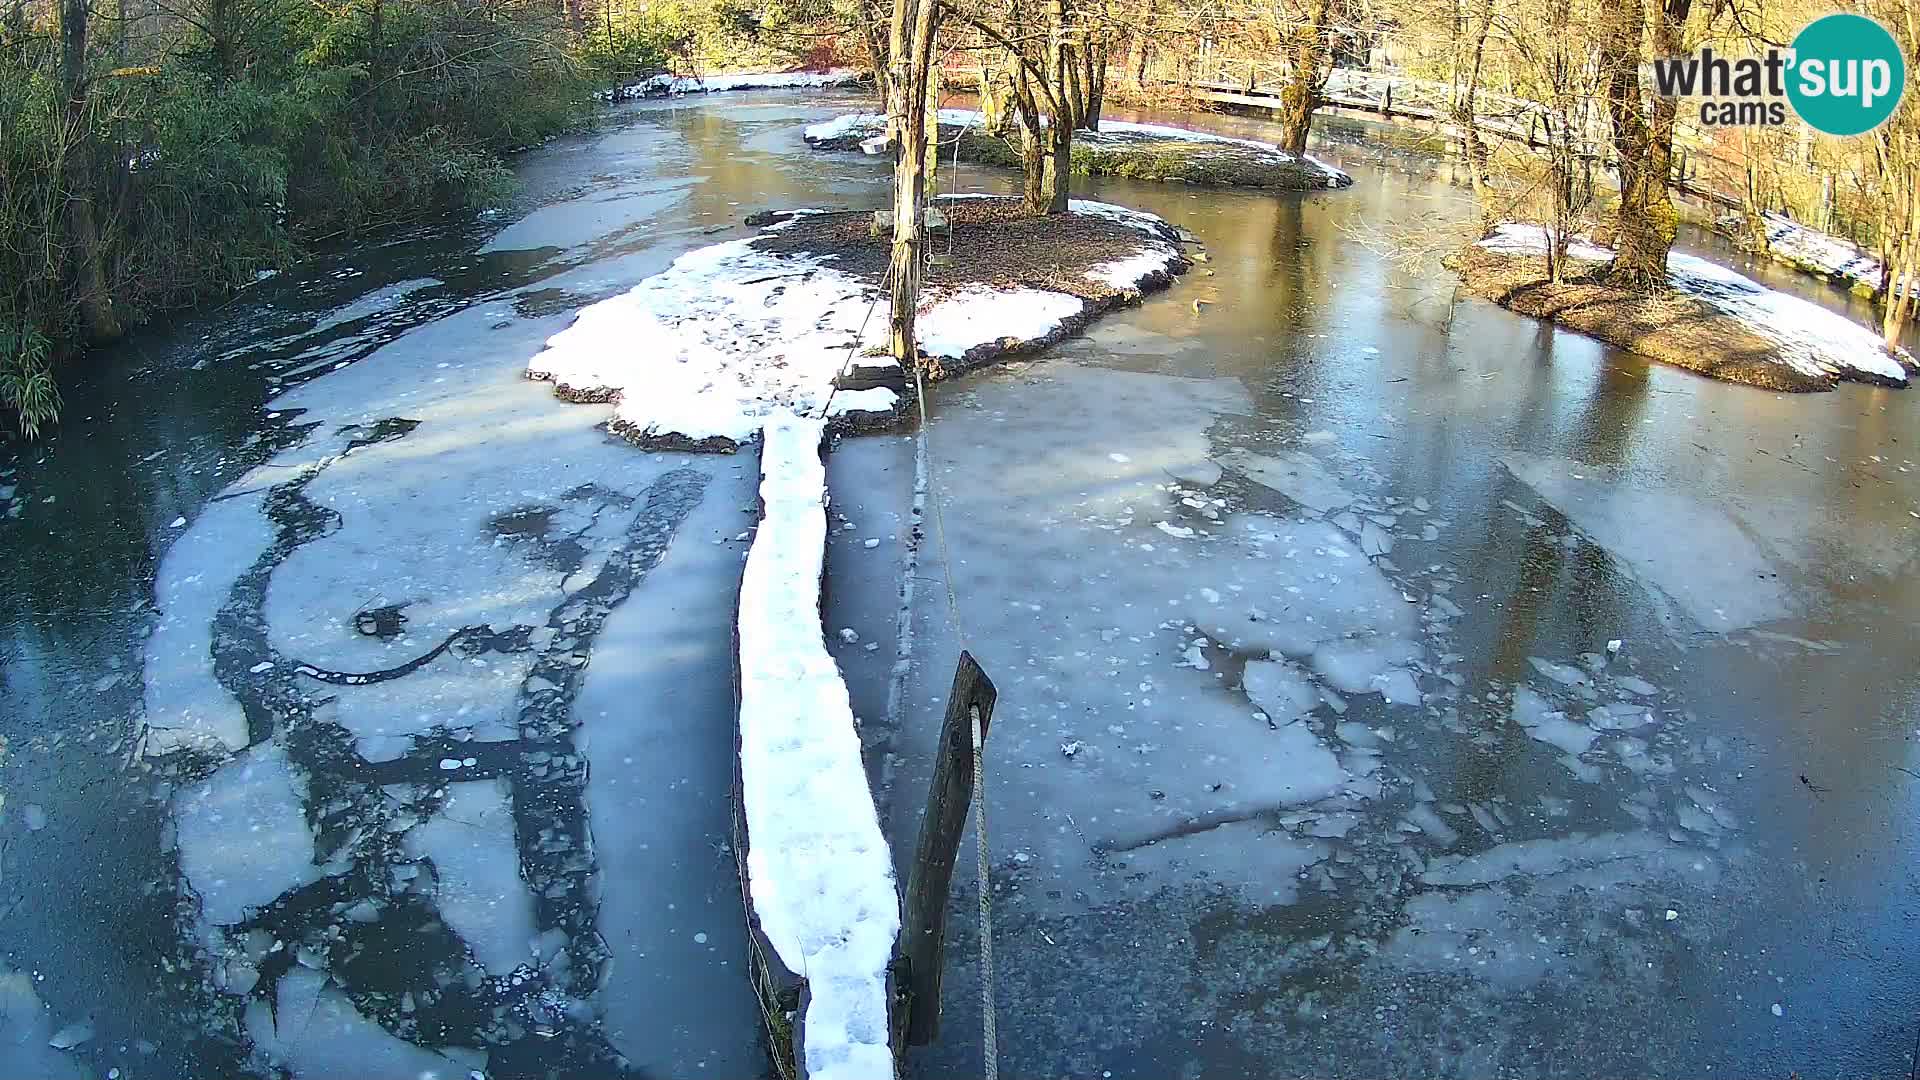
{"type": "Point", "coordinates": [1689, 325]}
{"type": "Point", "coordinates": [1137, 151]}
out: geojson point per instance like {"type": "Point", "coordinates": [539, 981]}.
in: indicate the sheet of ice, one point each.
{"type": "Point", "coordinates": [656, 716]}
{"type": "Point", "coordinates": [1315, 586]}
{"type": "Point", "coordinates": [27, 1029]}
{"type": "Point", "coordinates": [1811, 339]}
{"type": "Point", "coordinates": [1083, 611]}
{"type": "Point", "coordinates": [243, 834]}
{"type": "Point", "coordinates": [1294, 473]}
{"type": "Point", "coordinates": [1279, 689]}
{"type": "Point", "coordinates": [1721, 577]}
{"type": "Point", "coordinates": [185, 704]}
{"type": "Point", "coordinates": [317, 1033]}
{"type": "Point", "coordinates": [1252, 859]}
{"type": "Point", "coordinates": [481, 894]}
{"type": "Point", "coordinates": [819, 870]}
{"type": "Point", "coordinates": [1368, 665]}
{"type": "Point", "coordinates": [1538, 858]}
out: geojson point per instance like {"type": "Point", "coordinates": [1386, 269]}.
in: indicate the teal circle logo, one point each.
{"type": "Point", "coordinates": [1847, 74]}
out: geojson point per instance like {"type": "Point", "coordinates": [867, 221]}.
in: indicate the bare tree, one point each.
{"type": "Point", "coordinates": [909, 81]}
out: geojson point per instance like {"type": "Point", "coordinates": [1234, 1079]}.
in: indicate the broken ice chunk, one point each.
{"type": "Point", "coordinates": [1279, 689]}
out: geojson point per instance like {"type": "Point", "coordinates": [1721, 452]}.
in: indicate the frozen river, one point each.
{"type": "Point", "coordinates": [1388, 684]}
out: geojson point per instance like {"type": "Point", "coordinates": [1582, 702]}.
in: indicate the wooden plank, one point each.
{"type": "Point", "coordinates": [930, 880]}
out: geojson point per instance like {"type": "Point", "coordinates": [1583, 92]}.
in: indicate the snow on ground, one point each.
{"type": "Point", "coordinates": [1811, 339]}
{"type": "Point", "coordinates": [729, 336]}
{"type": "Point", "coordinates": [952, 327]}
{"type": "Point", "coordinates": [708, 84]}
{"type": "Point", "coordinates": [821, 879]}
{"type": "Point", "coordinates": [865, 123]}
{"type": "Point", "coordinates": [1810, 249]}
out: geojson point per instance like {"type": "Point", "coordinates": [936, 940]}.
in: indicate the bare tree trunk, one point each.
{"type": "Point", "coordinates": [1753, 210]}
{"type": "Point", "coordinates": [86, 257]}
{"type": "Point", "coordinates": [910, 55]}
{"type": "Point", "coordinates": [1076, 91]}
{"type": "Point", "coordinates": [1059, 131]}
{"type": "Point", "coordinates": [1466, 114]}
{"type": "Point", "coordinates": [1096, 82]}
{"type": "Point", "coordinates": [872, 19]}
{"type": "Point", "coordinates": [1301, 94]}
{"type": "Point", "coordinates": [1643, 144]}
{"type": "Point", "coordinates": [1902, 262]}
{"type": "Point", "coordinates": [1033, 147]}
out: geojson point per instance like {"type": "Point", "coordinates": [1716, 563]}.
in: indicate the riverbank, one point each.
{"type": "Point", "coordinates": [1712, 321]}
{"type": "Point", "coordinates": [667, 84]}
{"type": "Point", "coordinates": [1810, 251]}
{"type": "Point", "coordinates": [750, 328]}
{"type": "Point", "coordinates": [1136, 151]}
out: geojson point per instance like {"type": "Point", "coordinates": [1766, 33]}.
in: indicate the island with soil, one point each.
{"type": "Point", "coordinates": [1708, 319]}
{"type": "Point", "coordinates": [1136, 151]}
{"type": "Point", "coordinates": [790, 320]}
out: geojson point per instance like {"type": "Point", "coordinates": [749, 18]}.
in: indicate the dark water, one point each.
{"type": "Point", "coordinates": [1754, 553]}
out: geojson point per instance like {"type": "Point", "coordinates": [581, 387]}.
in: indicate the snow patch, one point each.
{"type": "Point", "coordinates": [817, 864]}
{"type": "Point", "coordinates": [1811, 340]}
{"type": "Point", "coordinates": [660, 85]}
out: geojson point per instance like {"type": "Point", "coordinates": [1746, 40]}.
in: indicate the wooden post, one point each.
{"type": "Point", "coordinates": [931, 876]}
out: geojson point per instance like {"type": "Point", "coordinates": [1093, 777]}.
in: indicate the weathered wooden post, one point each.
{"type": "Point", "coordinates": [929, 880]}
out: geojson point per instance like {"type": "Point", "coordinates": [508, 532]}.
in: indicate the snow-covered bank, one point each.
{"type": "Point", "coordinates": [1734, 327]}
{"type": "Point", "coordinates": [705, 352]}
{"type": "Point", "coordinates": [666, 84]}
{"type": "Point", "coordinates": [1143, 151]}
{"type": "Point", "coordinates": [819, 878]}
{"type": "Point", "coordinates": [1806, 248]}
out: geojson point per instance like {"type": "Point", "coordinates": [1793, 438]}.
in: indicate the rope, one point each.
{"type": "Point", "coordinates": [989, 1034]}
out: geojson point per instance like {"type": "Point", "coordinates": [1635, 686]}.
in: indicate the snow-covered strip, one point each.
{"type": "Point", "coordinates": [708, 350]}
{"type": "Point", "coordinates": [1810, 249]}
{"type": "Point", "coordinates": [872, 123]}
{"type": "Point", "coordinates": [718, 342]}
{"type": "Point", "coordinates": [1811, 340]}
{"type": "Point", "coordinates": [817, 865]}
{"type": "Point", "coordinates": [763, 80]}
